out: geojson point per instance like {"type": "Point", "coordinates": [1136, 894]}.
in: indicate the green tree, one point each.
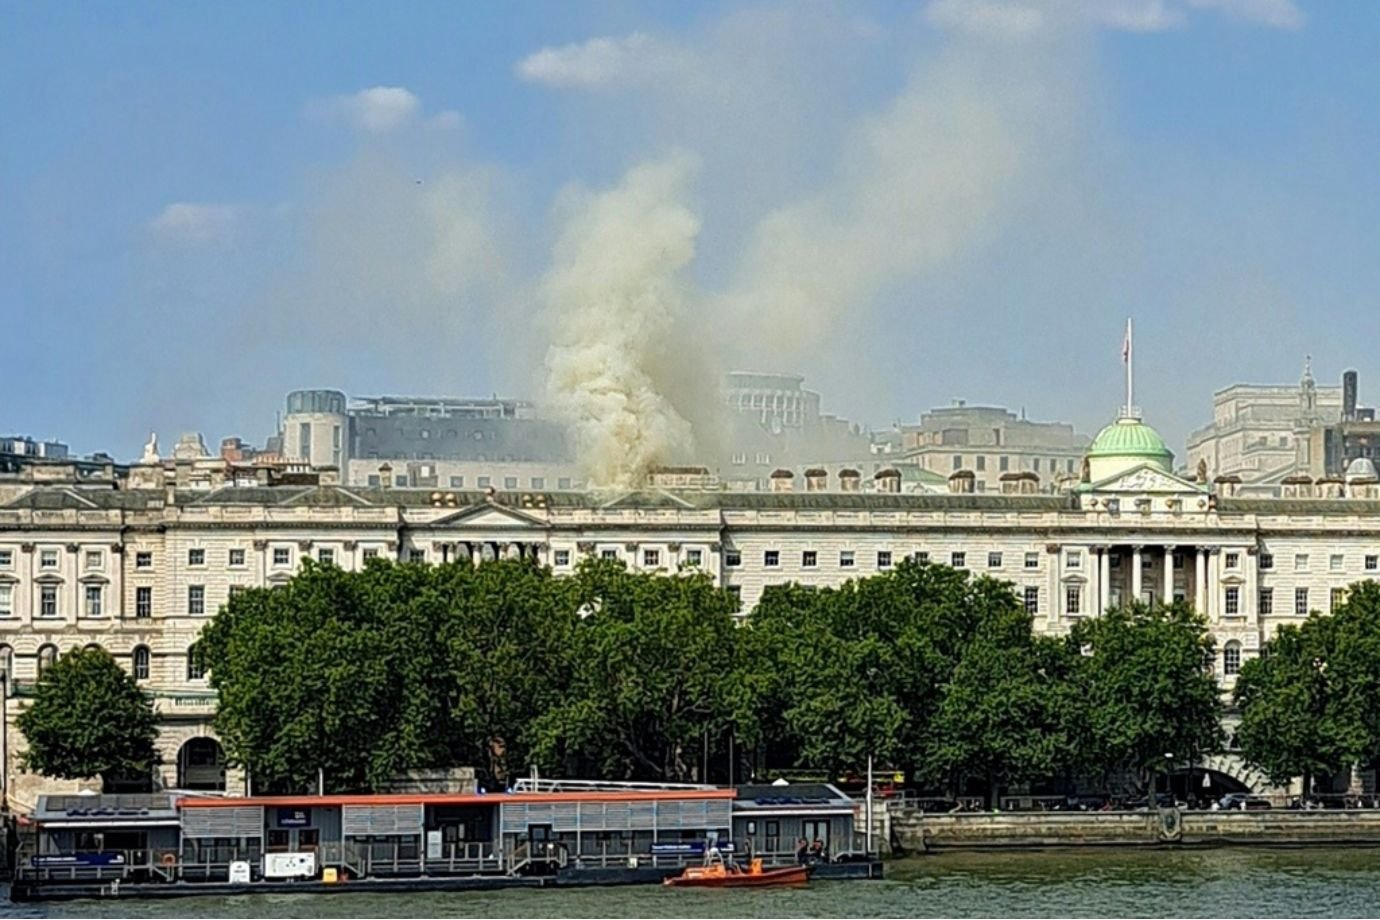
{"type": "Point", "coordinates": [650, 661]}
{"type": "Point", "coordinates": [1352, 674]}
{"type": "Point", "coordinates": [1290, 722]}
{"type": "Point", "coordinates": [1145, 690]}
{"type": "Point", "coordinates": [89, 718]}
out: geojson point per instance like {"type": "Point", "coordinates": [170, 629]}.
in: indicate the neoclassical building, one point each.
{"type": "Point", "coordinates": [138, 565]}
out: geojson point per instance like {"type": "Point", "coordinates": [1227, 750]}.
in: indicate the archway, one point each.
{"type": "Point", "coordinates": [1201, 786]}
{"type": "Point", "coordinates": [201, 765]}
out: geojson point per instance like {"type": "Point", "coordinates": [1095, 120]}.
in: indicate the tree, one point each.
{"type": "Point", "coordinates": [1145, 691]}
{"type": "Point", "coordinates": [1351, 670]}
{"type": "Point", "coordinates": [89, 718]}
{"type": "Point", "coordinates": [650, 660]}
{"type": "Point", "coordinates": [1290, 721]}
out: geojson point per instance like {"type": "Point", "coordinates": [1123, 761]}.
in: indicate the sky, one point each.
{"type": "Point", "coordinates": [604, 206]}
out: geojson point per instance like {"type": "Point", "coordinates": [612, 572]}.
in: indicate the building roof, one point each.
{"type": "Point", "coordinates": [1130, 438]}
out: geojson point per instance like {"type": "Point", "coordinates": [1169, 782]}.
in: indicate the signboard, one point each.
{"type": "Point", "coordinates": [688, 848]}
{"type": "Point", "coordinates": [433, 845]}
{"type": "Point", "coordinates": [294, 817]}
{"type": "Point", "coordinates": [78, 859]}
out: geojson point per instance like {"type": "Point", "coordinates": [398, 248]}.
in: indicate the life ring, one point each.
{"type": "Point", "coordinates": [168, 860]}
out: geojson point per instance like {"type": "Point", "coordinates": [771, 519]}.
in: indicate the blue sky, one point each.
{"type": "Point", "coordinates": [204, 206]}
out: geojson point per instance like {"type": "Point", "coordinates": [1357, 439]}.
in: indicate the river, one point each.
{"type": "Point", "coordinates": [1084, 883]}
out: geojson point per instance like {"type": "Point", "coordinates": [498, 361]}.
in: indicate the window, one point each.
{"type": "Point", "coordinates": [771, 558]}
{"type": "Point", "coordinates": [47, 601]}
{"type": "Point", "coordinates": [510, 482]}
{"type": "Point", "coordinates": [563, 482]}
{"type": "Point", "coordinates": [282, 555]}
{"type": "Point", "coordinates": [1372, 563]}
{"type": "Point", "coordinates": [562, 557]}
{"type": "Point", "coordinates": [809, 559]}
{"type": "Point", "coordinates": [694, 557]}
{"type": "Point", "coordinates": [6, 600]}
{"type": "Point", "coordinates": [994, 560]}
{"type": "Point", "coordinates": [195, 671]}
{"type": "Point", "coordinates": [1338, 598]}
{"type": "Point", "coordinates": [1003, 463]}
{"type": "Point", "coordinates": [1073, 598]}
{"type": "Point", "coordinates": [48, 559]}
{"type": "Point", "coordinates": [846, 559]}
{"type": "Point", "coordinates": [1300, 602]}
{"type": "Point", "coordinates": [416, 555]}
{"type": "Point", "coordinates": [1073, 559]}
{"type": "Point", "coordinates": [237, 557]}
{"type": "Point", "coordinates": [1231, 658]}
{"type": "Point", "coordinates": [484, 482]}
{"type": "Point", "coordinates": [47, 655]}
{"type": "Point", "coordinates": [1335, 562]}
{"type": "Point", "coordinates": [141, 662]}
{"type": "Point", "coordinates": [196, 600]}
{"type": "Point", "coordinates": [651, 557]}
{"type": "Point", "coordinates": [608, 554]}
{"type": "Point", "coordinates": [93, 600]}
{"type": "Point", "coordinates": [326, 555]}
{"type": "Point", "coordinates": [1233, 560]}
{"type": "Point", "coordinates": [1232, 606]}
{"type": "Point", "coordinates": [981, 463]}
{"type": "Point", "coordinates": [922, 556]}
{"type": "Point", "coordinates": [373, 480]}
{"type": "Point", "coordinates": [884, 559]}
{"type": "Point", "coordinates": [6, 661]}
{"type": "Point", "coordinates": [457, 482]}
{"type": "Point", "coordinates": [1267, 601]}
{"type": "Point", "coordinates": [958, 560]}
{"type": "Point", "coordinates": [539, 482]}
{"type": "Point", "coordinates": [400, 481]}
{"type": "Point", "coordinates": [958, 462]}
{"type": "Point", "coordinates": [196, 556]}
{"type": "Point", "coordinates": [1267, 562]}
{"type": "Point", "coordinates": [94, 559]}
{"type": "Point", "coordinates": [1115, 561]}
{"type": "Point", "coordinates": [1032, 600]}
{"type": "Point", "coordinates": [1178, 560]}
{"type": "Point", "coordinates": [1300, 562]}
{"type": "Point", "coordinates": [370, 552]}
{"type": "Point", "coordinates": [732, 558]}
{"type": "Point", "coordinates": [6, 558]}
{"type": "Point", "coordinates": [1032, 560]}
{"type": "Point", "coordinates": [1037, 464]}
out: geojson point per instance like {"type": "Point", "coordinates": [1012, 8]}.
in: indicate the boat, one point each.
{"type": "Point", "coordinates": [715, 873]}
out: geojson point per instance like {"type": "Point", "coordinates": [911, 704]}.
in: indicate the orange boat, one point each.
{"type": "Point", "coordinates": [715, 873]}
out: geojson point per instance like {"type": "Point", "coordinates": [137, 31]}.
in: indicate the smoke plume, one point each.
{"type": "Point", "coordinates": [612, 295]}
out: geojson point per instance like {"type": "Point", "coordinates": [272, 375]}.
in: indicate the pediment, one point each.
{"type": "Point", "coordinates": [1146, 479]}
{"type": "Point", "coordinates": [489, 517]}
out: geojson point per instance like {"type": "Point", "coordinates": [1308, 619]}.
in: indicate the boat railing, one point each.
{"type": "Point", "coordinates": [528, 784]}
{"type": "Point", "coordinates": [122, 864]}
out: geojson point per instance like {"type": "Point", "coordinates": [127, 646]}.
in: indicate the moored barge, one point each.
{"type": "Point", "coordinates": [556, 833]}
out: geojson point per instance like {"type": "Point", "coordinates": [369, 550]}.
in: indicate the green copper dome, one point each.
{"type": "Point", "coordinates": [1130, 438]}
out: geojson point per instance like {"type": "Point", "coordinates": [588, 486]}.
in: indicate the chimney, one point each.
{"type": "Point", "coordinates": [783, 481]}
{"type": "Point", "coordinates": [1227, 486]}
{"type": "Point", "coordinates": [1349, 396]}
{"type": "Point", "coordinates": [1297, 487]}
{"type": "Point", "coordinates": [888, 480]}
{"type": "Point", "coordinates": [850, 481]}
{"type": "Point", "coordinates": [964, 482]}
{"type": "Point", "coordinates": [816, 480]}
{"type": "Point", "coordinates": [328, 476]}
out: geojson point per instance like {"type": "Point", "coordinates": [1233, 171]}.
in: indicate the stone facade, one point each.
{"type": "Point", "coordinates": [140, 569]}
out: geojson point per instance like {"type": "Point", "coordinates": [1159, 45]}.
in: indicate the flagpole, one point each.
{"type": "Point", "coordinates": [1130, 378]}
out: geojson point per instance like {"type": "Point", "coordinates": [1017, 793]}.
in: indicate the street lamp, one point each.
{"type": "Point", "coordinates": [1168, 768]}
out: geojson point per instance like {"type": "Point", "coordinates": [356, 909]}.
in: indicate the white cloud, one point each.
{"type": "Point", "coordinates": [377, 110]}
{"type": "Point", "coordinates": [1019, 18]}
{"type": "Point", "coordinates": [447, 120]}
{"type": "Point", "coordinates": [1279, 14]}
{"type": "Point", "coordinates": [600, 62]}
{"type": "Point", "coordinates": [196, 222]}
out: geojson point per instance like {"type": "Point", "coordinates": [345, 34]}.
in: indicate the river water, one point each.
{"type": "Point", "coordinates": [1084, 883]}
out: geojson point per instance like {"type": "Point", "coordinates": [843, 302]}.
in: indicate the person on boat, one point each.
{"type": "Point", "coordinates": [802, 851]}
{"type": "Point", "coordinates": [817, 849]}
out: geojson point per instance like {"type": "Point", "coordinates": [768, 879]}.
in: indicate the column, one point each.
{"type": "Point", "coordinates": [1056, 599]}
{"type": "Point", "coordinates": [1213, 587]}
{"type": "Point", "coordinates": [1136, 573]}
{"type": "Point", "coordinates": [1168, 597]}
{"type": "Point", "coordinates": [1200, 581]}
{"type": "Point", "coordinates": [1250, 603]}
{"type": "Point", "coordinates": [1104, 579]}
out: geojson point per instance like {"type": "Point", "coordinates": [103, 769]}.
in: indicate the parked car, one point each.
{"type": "Point", "coordinates": [1240, 801]}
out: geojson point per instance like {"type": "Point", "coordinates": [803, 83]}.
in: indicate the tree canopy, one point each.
{"type": "Point", "coordinates": [89, 718]}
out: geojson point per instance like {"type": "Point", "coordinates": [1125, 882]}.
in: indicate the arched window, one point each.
{"type": "Point", "coordinates": [1231, 658]}
{"type": "Point", "coordinates": [7, 664]}
{"type": "Point", "coordinates": [194, 669]}
{"type": "Point", "coordinates": [141, 662]}
{"type": "Point", "coordinates": [47, 654]}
